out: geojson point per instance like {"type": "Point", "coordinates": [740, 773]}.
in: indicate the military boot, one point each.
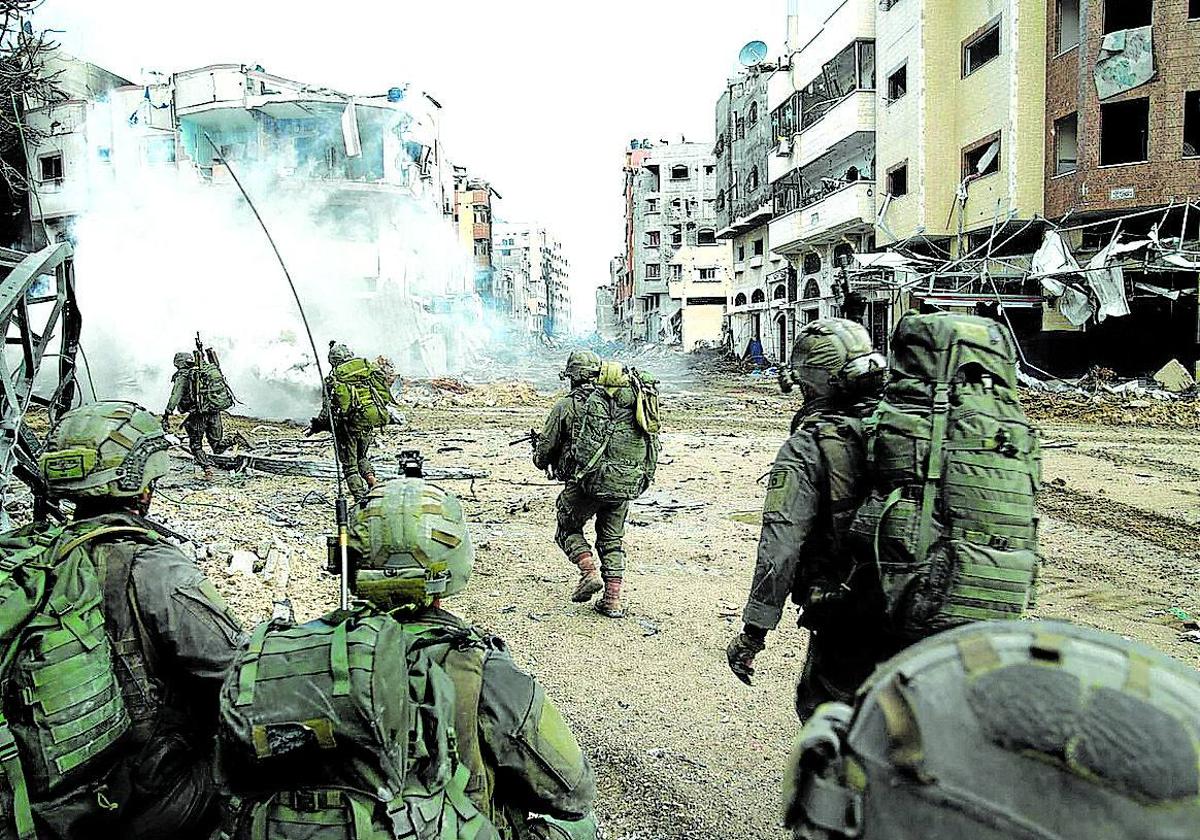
{"type": "Point", "coordinates": [589, 579]}
{"type": "Point", "coordinates": [371, 481]}
{"type": "Point", "coordinates": [209, 475]}
{"type": "Point", "coordinates": [610, 603]}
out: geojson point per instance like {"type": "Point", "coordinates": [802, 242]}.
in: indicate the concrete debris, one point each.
{"type": "Point", "coordinates": [1126, 61]}
{"type": "Point", "coordinates": [324, 468]}
{"type": "Point", "coordinates": [1175, 377]}
{"type": "Point", "coordinates": [242, 563]}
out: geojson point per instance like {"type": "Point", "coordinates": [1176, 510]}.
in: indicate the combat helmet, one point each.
{"type": "Point", "coordinates": [834, 356]}
{"type": "Point", "coordinates": [409, 545]}
{"type": "Point", "coordinates": [1006, 729]}
{"type": "Point", "coordinates": [339, 353]}
{"type": "Point", "coordinates": [582, 365]}
{"type": "Point", "coordinates": [109, 449]}
{"type": "Point", "coordinates": [182, 360]}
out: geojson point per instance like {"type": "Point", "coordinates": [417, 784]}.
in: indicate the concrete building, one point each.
{"type": "Point", "coordinates": [960, 137]}
{"type": "Point", "coordinates": [746, 138]}
{"type": "Point", "coordinates": [532, 278]}
{"type": "Point", "coordinates": [670, 204]}
{"type": "Point", "coordinates": [473, 214]}
{"type": "Point", "coordinates": [823, 176]}
{"type": "Point", "coordinates": [699, 279]}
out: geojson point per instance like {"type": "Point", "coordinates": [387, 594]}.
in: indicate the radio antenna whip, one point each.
{"type": "Point", "coordinates": [342, 510]}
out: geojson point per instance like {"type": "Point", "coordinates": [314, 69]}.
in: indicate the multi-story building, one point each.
{"type": "Point", "coordinates": [532, 278]}
{"type": "Point", "coordinates": [960, 116]}
{"type": "Point", "coordinates": [629, 319]}
{"type": "Point", "coordinates": [745, 140]}
{"type": "Point", "coordinates": [671, 202]}
{"type": "Point", "coordinates": [823, 172]}
{"type": "Point", "coordinates": [473, 215]}
{"type": "Point", "coordinates": [607, 327]}
{"type": "Point", "coordinates": [699, 278]}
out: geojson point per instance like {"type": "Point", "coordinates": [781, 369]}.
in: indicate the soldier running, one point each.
{"type": "Point", "coordinates": [199, 389]}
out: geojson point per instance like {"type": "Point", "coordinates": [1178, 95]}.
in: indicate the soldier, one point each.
{"type": "Point", "coordinates": [410, 549]}
{"type": "Point", "coordinates": [199, 389]}
{"type": "Point", "coordinates": [815, 487]}
{"type": "Point", "coordinates": [553, 451]}
{"type": "Point", "coordinates": [357, 402]}
{"type": "Point", "coordinates": [110, 691]}
{"type": "Point", "coordinates": [1003, 730]}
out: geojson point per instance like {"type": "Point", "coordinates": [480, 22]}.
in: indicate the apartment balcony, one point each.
{"type": "Point", "coordinates": [825, 220]}
{"type": "Point", "coordinates": [852, 115]}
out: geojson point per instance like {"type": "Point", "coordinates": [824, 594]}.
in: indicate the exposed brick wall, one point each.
{"type": "Point", "coordinates": [1070, 86]}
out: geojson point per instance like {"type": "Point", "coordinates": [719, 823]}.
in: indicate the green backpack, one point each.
{"type": "Point", "coordinates": [951, 523]}
{"type": "Point", "coordinates": [63, 711]}
{"type": "Point", "coordinates": [614, 436]}
{"type": "Point", "coordinates": [343, 729]}
{"type": "Point", "coordinates": [210, 391]}
{"type": "Point", "coordinates": [1006, 730]}
{"type": "Point", "coordinates": [361, 394]}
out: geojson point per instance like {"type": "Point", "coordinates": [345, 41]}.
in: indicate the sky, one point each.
{"type": "Point", "coordinates": [541, 97]}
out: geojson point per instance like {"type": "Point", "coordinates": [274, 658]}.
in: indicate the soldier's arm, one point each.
{"type": "Point", "coordinates": [193, 632]}
{"type": "Point", "coordinates": [178, 383]}
{"type": "Point", "coordinates": [539, 765]}
{"type": "Point", "coordinates": [553, 438]}
{"type": "Point", "coordinates": [789, 513]}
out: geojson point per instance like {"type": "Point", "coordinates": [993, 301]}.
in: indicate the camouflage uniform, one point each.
{"type": "Point", "coordinates": [198, 424]}
{"type": "Point", "coordinates": [173, 638]}
{"type": "Point", "coordinates": [817, 482]}
{"type": "Point", "coordinates": [352, 443]}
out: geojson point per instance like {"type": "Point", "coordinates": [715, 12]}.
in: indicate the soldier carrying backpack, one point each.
{"type": "Point", "coordinates": [199, 389]}
{"type": "Point", "coordinates": [815, 486]}
{"type": "Point", "coordinates": [397, 720]}
{"type": "Point", "coordinates": [358, 402]}
{"type": "Point", "coordinates": [113, 646]}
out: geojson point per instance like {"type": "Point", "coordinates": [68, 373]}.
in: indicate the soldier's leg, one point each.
{"type": "Point", "coordinates": [194, 425]}
{"type": "Point", "coordinates": [347, 455]}
{"type": "Point", "coordinates": [365, 468]}
{"type": "Point", "coordinates": [610, 531]}
{"type": "Point", "coordinates": [214, 429]}
{"type": "Point", "coordinates": [840, 658]}
{"type": "Point", "coordinates": [574, 509]}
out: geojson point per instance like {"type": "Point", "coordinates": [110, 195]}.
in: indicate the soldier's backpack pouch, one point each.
{"type": "Point", "coordinates": [342, 729]}
{"type": "Point", "coordinates": [361, 394]}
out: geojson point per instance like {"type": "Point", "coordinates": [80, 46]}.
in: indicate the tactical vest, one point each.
{"type": "Point", "coordinates": [67, 623]}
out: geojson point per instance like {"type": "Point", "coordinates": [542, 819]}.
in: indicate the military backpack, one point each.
{"type": "Point", "coordinates": [950, 523]}
{"type": "Point", "coordinates": [361, 394]}
{"type": "Point", "coordinates": [207, 389]}
{"type": "Point", "coordinates": [1006, 730]}
{"type": "Point", "coordinates": [63, 713]}
{"type": "Point", "coordinates": [343, 729]}
{"type": "Point", "coordinates": [614, 436]}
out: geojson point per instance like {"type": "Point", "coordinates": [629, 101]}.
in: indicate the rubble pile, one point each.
{"type": "Point", "coordinates": [1165, 400]}
{"type": "Point", "coordinates": [436, 393]}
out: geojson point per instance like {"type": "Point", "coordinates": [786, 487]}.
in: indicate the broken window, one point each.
{"type": "Point", "coordinates": [653, 238]}
{"type": "Point", "coordinates": [710, 170]}
{"type": "Point", "coordinates": [679, 172]}
{"type": "Point", "coordinates": [758, 296]}
{"type": "Point", "coordinates": [740, 300]}
{"type": "Point", "coordinates": [754, 179]}
{"type": "Point", "coordinates": [677, 204]}
{"type": "Point", "coordinates": [850, 70]}
{"type": "Point", "coordinates": [51, 167]}
{"type": "Point", "coordinates": [708, 274]}
{"type": "Point", "coordinates": [981, 49]}
{"type": "Point", "coordinates": [866, 65]}
{"type": "Point", "coordinates": [752, 115]}
{"type": "Point", "coordinates": [759, 247]}
{"type": "Point", "coordinates": [651, 205]}
{"type": "Point", "coordinates": [1191, 122]}
{"type": "Point", "coordinates": [676, 272]}
{"type": "Point", "coordinates": [843, 255]}
{"type": "Point", "coordinates": [1127, 14]}
{"type": "Point", "coordinates": [812, 290]}
{"type": "Point", "coordinates": [982, 159]}
{"type": "Point", "coordinates": [677, 237]}
{"type": "Point", "coordinates": [783, 119]}
{"type": "Point", "coordinates": [1125, 132]}
{"type": "Point", "coordinates": [706, 236]}
{"type": "Point", "coordinates": [897, 83]}
{"type": "Point", "coordinates": [653, 271]}
{"type": "Point", "coordinates": [1068, 24]}
{"type": "Point", "coordinates": [739, 128]}
{"type": "Point", "coordinates": [1194, 8]}
{"type": "Point", "coordinates": [1066, 144]}
{"type": "Point", "coordinates": [897, 180]}
{"type": "Point", "coordinates": [812, 263]}
{"type": "Point", "coordinates": [741, 252]}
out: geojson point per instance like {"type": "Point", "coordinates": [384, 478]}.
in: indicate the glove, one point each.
{"type": "Point", "coordinates": [741, 653]}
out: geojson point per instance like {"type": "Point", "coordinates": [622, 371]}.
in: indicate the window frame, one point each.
{"type": "Point", "coordinates": [1058, 18]}
{"type": "Point", "coordinates": [887, 84]}
{"type": "Point", "coordinates": [978, 36]}
{"type": "Point", "coordinates": [653, 271]}
{"type": "Point", "coordinates": [891, 172]}
{"type": "Point", "coordinates": [687, 172]}
{"type": "Point", "coordinates": [1148, 144]}
{"type": "Point", "coordinates": [62, 167]}
{"type": "Point", "coordinates": [1104, 30]}
{"type": "Point", "coordinates": [1058, 171]}
{"type": "Point", "coordinates": [982, 144]}
{"type": "Point", "coordinates": [1195, 117]}
{"type": "Point", "coordinates": [712, 275]}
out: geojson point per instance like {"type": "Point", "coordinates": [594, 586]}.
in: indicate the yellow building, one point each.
{"type": "Point", "coordinates": [960, 118]}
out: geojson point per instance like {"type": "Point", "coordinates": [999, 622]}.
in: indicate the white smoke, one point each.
{"type": "Point", "coordinates": [162, 254]}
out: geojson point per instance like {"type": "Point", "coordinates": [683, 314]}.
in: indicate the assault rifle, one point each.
{"type": "Point", "coordinates": [533, 437]}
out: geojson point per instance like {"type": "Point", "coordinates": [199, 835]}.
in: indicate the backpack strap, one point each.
{"type": "Point", "coordinates": [933, 471]}
{"type": "Point", "coordinates": [10, 768]}
{"type": "Point", "coordinates": [248, 673]}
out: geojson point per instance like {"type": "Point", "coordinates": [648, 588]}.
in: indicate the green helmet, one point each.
{"type": "Point", "coordinates": [106, 449]}
{"type": "Point", "coordinates": [581, 364]}
{"type": "Point", "coordinates": [410, 545]}
{"type": "Point", "coordinates": [834, 356]}
{"type": "Point", "coordinates": [1006, 729]}
{"type": "Point", "coordinates": [339, 354]}
{"type": "Point", "coordinates": [182, 360]}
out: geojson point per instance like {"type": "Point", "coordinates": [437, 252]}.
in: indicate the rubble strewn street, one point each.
{"type": "Point", "coordinates": [1121, 535]}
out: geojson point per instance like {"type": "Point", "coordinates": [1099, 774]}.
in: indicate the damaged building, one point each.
{"type": "Point", "coordinates": [531, 278]}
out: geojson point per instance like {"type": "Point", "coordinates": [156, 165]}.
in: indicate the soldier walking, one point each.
{"type": "Point", "coordinates": [199, 389]}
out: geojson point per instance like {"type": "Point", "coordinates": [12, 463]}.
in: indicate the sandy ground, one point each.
{"type": "Point", "coordinates": [680, 747]}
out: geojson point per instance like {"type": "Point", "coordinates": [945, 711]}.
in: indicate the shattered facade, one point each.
{"type": "Point", "coordinates": [473, 214]}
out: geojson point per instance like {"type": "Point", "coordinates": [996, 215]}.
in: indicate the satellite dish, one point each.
{"type": "Point", "coordinates": [753, 53]}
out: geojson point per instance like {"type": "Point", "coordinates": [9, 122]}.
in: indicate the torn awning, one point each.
{"type": "Point", "coordinates": [1125, 61]}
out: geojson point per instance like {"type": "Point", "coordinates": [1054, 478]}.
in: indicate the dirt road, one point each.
{"type": "Point", "coordinates": [681, 748]}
